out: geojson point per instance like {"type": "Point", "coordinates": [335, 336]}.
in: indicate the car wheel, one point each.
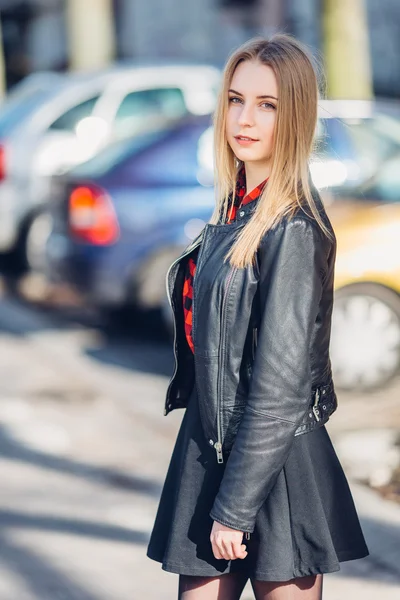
{"type": "Point", "coordinates": [35, 239]}
{"type": "Point", "coordinates": [365, 341]}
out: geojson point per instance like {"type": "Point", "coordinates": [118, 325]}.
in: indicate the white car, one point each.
{"type": "Point", "coordinates": [58, 122]}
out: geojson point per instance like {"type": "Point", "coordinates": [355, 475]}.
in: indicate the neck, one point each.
{"type": "Point", "coordinates": [255, 174]}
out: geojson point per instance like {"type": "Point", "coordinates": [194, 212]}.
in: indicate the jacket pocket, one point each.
{"type": "Point", "coordinates": [232, 415]}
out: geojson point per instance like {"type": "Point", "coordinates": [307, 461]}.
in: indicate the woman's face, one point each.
{"type": "Point", "coordinates": [253, 98]}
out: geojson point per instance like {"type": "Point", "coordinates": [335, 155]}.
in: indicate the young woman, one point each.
{"type": "Point", "coordinates": [254, 488]}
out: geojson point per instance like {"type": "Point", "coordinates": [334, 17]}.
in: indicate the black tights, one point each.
{"type": "Point", "coordinates": [230, 587]}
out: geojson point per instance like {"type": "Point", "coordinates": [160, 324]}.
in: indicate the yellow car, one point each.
{"type": "Point", "coordinates": [365, 346]}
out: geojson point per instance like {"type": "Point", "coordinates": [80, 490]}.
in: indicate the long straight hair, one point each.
{"type": "Point", "coordinates": [295, 127]}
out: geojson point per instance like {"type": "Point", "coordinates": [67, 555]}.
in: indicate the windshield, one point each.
{"type": "Point", "coordinates": [374, 140]}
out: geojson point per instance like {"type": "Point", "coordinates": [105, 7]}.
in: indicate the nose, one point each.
{"type": "Point", "coordinates": [246, 118]}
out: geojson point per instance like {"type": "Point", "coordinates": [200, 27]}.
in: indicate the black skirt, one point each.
{"type": "Point", "coordinates": [307, 525]}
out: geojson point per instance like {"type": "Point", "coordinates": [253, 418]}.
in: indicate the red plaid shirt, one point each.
{"type": "Point", "coordinates": [240, 199]}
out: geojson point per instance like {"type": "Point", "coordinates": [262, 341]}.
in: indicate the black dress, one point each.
{"type": "Point", "coordinates": [307, 525]}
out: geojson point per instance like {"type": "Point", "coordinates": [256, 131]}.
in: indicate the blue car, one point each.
{"type": "Point", "coordinates": [121, 218]}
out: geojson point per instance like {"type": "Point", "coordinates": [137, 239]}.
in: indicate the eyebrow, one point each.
{"type": "Point", "coordinates": [266, 96]}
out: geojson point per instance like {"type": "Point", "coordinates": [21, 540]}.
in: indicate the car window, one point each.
{"type": "Point", "coordinates": [146, 110]}
{"type": "Point", "coordinates": [69, 120]}
{"type": "Point", "coordinates": [374, 140]}
{"type": "Point", "coordinates": [372, 144]}
{"type": "Point", "coordinates": [350, 151]}
{"type": "Point", "coordinates": [385, 185]}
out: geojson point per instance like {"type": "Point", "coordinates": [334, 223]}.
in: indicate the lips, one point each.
{"type": "Point", "coordinates": [245, 138]}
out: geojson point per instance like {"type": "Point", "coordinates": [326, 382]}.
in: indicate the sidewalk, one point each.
{"type": "Point", "coordinates": [377, 575]}
{"type": "Point", "coordinates": [84, 449]}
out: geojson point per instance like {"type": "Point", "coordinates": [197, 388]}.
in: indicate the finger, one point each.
{"type": "Point", "coordinates": [216, 550]}
{"type": "Point", "coordinates": [241, 551]}
{"type": "Point", "coordinates": [227, 549]}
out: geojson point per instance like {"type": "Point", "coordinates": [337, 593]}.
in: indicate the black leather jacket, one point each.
{"type": "Point", "coordinates": [261, 362]}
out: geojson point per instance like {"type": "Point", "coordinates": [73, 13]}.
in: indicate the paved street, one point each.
{"type": "Point", "coordinates": [84, 447]}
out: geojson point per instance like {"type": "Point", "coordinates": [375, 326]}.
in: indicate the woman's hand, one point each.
{"type": "Point", "coordinates": [227, 542]}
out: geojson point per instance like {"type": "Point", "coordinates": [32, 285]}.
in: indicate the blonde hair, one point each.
{"type": "Point", "coordinates": [295, 126]}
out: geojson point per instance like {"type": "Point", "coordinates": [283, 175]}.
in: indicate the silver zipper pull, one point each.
{"type": "Point", "coordinates": [246, 535]}
{"type": "Point", "coordinates": [218, 448]}
{"type": "Point", "coordinates": [315, 405]}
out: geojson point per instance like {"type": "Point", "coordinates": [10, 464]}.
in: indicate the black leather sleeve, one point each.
{"type": "Point", "coordinates": [292, 265]}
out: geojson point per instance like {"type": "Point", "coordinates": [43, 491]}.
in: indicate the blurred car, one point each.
{"type": "Point", "coordinates": [122, 217]}
{"type": "Point", "coordinates": [150, 193]}
{"type": "Point", "coordinates": [365, 345]}
{"type": "Point", "coordinates": [364, 206]}
{"type": "Point", "coordinates": [49, 125]}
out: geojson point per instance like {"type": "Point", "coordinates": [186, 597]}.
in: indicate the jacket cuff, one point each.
{"type": "Point", "coordinates": [246, 528]}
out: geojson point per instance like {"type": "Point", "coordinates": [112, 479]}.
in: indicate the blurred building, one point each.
{"type": "Point", "coordinates": [206, 30]}
{"type": "Point", "coordinates": [34, 31]}
{"type": "Point", "coordinates": [33, 36]}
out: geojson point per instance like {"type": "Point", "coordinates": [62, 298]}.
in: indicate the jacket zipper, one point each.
{"type": "Point", "coordinates": [218, 443]}
{"type": "Point", "coordinates": [187, 251]}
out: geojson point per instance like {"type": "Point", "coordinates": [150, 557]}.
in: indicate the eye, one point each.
{"type": "Point", "coordinates": [232, 98]}
{"type": "Point", "coordinates": [269, 105]}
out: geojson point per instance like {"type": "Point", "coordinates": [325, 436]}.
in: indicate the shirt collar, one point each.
{"type": "Point", "coordinates": [241, 198]}
{"type": "Point", "coordinates": [244, 203]}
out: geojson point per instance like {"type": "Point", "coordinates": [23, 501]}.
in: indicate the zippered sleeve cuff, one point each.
{"type": "Point", "coordinates": [244, 528]}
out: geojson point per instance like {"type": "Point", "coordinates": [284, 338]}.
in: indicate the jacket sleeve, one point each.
{"type": "Point", "coordinates": [292, 266]}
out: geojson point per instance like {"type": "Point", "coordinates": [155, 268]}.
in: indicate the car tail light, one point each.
{"type": "Point", "coordinates": [92, 217]}
{"type": "Point", "coordinates": [2, 162]}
